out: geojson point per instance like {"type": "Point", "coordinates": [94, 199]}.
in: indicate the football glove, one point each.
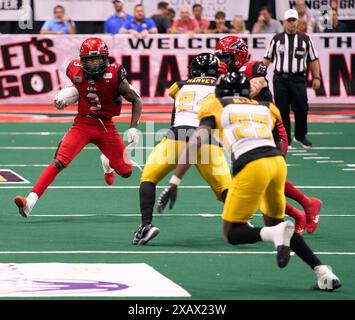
{"type": "Point", "coordinates": [168, 195]}
{"type": "Point", "coordinates": [222, 69]}
{"type": "Point", "coordinates": [59, 104]}
{"type": "Point", "coordinates": [133, 137]}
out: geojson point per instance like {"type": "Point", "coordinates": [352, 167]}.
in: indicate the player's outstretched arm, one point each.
{"type": "Point", "coordinates": [187, 157]}
{"type": "Point", "coordinates": [130, 94]}
{"type": "Point", "coordinates": [127, 91]}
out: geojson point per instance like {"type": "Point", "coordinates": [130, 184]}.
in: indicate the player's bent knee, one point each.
{"type": "Point", "coordinates": [58, 164]}
{"type": "Point", "coordinates": [126, 175]}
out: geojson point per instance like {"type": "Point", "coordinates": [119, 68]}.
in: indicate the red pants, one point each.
{"type": "Point", "coordinates": [103, 134]}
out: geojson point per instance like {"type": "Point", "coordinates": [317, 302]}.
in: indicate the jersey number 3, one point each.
{"type": "Point", "coordinates": [94, 101]}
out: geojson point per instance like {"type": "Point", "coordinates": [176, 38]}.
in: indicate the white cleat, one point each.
{"type": "Point", "coordinates": [25, 205]}
{"type": "Point", "coordinates": [326, 279]}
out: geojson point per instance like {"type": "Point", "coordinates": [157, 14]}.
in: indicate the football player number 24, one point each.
{"type": "Point", "coordinates": [94, 101]}
{"type": "Point", "coordinates": [187, 101]}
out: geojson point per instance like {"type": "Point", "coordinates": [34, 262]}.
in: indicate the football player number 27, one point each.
{"type": "Point", "coordinates": [94, 101]}
{"type": "Point", "coordinates": [251, 125]}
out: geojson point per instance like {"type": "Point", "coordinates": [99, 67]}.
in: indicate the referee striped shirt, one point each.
{"type": "Point", "coordinates": [291, 53]}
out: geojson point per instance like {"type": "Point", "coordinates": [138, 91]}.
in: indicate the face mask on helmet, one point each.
{"type": "Point", "coordinates": [94, 65]}
{"type": "Point", "coordinates": [204, 65]}
{"type": "Point", "coordinates": [227, 57]}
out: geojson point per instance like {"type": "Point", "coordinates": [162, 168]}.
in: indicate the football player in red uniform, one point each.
{"type": "Point", "coordinates": [234, 56]}
{"type": "Point", "coordinates": [100, 86]}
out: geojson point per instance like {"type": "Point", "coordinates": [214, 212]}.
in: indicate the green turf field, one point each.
{"type": "Point", "coordinates": [80, 219]}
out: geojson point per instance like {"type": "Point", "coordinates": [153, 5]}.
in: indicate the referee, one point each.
{"type": "Point", "coordinates": [291, 52]}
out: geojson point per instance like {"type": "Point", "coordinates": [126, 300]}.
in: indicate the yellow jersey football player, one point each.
{"type": "Point", "coordinates": [188, 97]}
{"type": "Point", "coordinates": [259, 173]}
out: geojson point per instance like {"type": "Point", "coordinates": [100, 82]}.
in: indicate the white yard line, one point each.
{"type": "Point", "coordinates": [315, 158]}
{"type": "Point", "coordinates": [198, 215]}
{"type": "Point", "coordinates": [164, 252]}
{"type": "Point", "coordinates": [161, 187]}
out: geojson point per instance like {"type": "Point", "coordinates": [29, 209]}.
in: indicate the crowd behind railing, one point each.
{"type": "Point", "coordinates": [190, 20]}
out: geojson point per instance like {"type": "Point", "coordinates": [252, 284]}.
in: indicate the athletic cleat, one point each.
{"type": "Point", "coordinates": [144, 234]}
{"type": "Point", "coordinates": [21, 203]}
{"type": "Point", "coordinates": [326, 279]}
{"type": "Point", "coordinates": [300, 222]}
{"type": "Point", "coordinates": [109, 173]}
{"type": "Point", "coordinates": [312, 214]}
{"type": "Point", "coordinates": [109, 178]}
{"type": "Point", "coordinates": [283, 250]}
{"type": "Point", "coordinates": [304, 142]}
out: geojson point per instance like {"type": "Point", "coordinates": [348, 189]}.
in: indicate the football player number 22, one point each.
{"type": "Point", "coordinates": [94, 101]}
{"type": "Point", "coordinates": [251, 125]}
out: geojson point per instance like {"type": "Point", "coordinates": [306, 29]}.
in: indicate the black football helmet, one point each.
{"type": "Point", "coordinates": [233, 84]}
{"type": "Point", "coordinates": [204, 65]}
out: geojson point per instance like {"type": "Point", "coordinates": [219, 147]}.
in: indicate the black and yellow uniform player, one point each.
{"type": "Point", "coordinates": [259, 173]}
{"type": "Point", "coordinates": [211, 163]}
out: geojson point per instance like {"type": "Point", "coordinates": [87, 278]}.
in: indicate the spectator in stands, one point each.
{"type": "Point", "coordinates": [114, 23]}
{"type": "Point", "coordinates": [302, 26]}
{"type": "Point", "coordinates": [161, 17]}
{"type": "Point", "coordinates": [171, 17]}
{"type": "Point", "coordinates": [238, 25]}
{"type": "Point", "coordinates": [265, 22]}
{"type": "Point", "coordinates": [220, 25]}
{"type": "Point", "coordinates": [185, 24]}
{"type": "Point", "coordinates": [304, 15]}
{"type": "Point", "coordinates": [203, 24]}
{"type": "Point", "coordinates": [60, 24]}
{"type": "Point", "coordinates": [140, 25]}
{"type": "Point", "coordinates": [337, 26]}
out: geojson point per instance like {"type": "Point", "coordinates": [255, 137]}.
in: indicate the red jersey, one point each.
{"type": "Point", "coordinates": [253, 69]}
{"type": "Point", "coordinates": [99, 96]}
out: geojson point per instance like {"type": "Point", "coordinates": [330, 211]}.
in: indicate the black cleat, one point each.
{"type": "Point", "coordinates": [144, 234]}
{"type": "Point", "coordinates": [283, 256]}
{"type": "Point", "coordinates": [304, 142]}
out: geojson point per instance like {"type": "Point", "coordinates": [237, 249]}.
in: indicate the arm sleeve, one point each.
{"type": "Point", "coordinates": [313, 54]}
{"type": "Point", "coordinates": [151, 24]}
{"type": "Point", "coordinates": [121, 73]}
{"type": "Point", "coordinates": [270, 51]}
{"type": "Point", "coordinates": [47, 25]}
{"type": "Point", "coordinates": [259, 70]}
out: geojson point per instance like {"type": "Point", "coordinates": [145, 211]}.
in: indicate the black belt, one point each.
{"type": "Point", "coordinates": [290, 75]}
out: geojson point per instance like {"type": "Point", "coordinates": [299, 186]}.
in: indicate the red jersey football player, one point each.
{"type": "Point", "coordinates": [233, 54]}
{"type": "Point", "coordinates": [100, 86]}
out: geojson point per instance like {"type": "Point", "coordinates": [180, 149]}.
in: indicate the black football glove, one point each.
{"type": "Point", "coordinates": [168, 195]}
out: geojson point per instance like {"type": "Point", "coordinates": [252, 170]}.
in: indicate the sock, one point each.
{"type": "Point", "coordinates": [273, 234]}
{"type": "Point", "coordinates": [293, 193]}
{"type": "Point", "coordinates": [31, 200]}
{"type": "Point", "coordinates": [147, 201]}
{"type": "Point", "coordinates": [293, 211]}
{"type": "Point", "coordinates": [45, 179]}
{"type": "Point", "coordinates": [299, 246]}
{"type": "Point", "coordinates": [242, 233]}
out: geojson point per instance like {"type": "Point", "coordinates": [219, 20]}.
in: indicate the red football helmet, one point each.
{"type": "Point", "coordinates": [233, 51]}
{"type": "Point", "coordinates": [94, 56]}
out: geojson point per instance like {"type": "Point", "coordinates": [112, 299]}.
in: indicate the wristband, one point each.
{"type": "Point", "coordinates": [175, 180]}
{"type": "Point", "coordinates": [318, 78]}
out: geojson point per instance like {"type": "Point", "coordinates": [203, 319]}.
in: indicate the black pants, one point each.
{"type": "Point", "coordinates": [291, 93]}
